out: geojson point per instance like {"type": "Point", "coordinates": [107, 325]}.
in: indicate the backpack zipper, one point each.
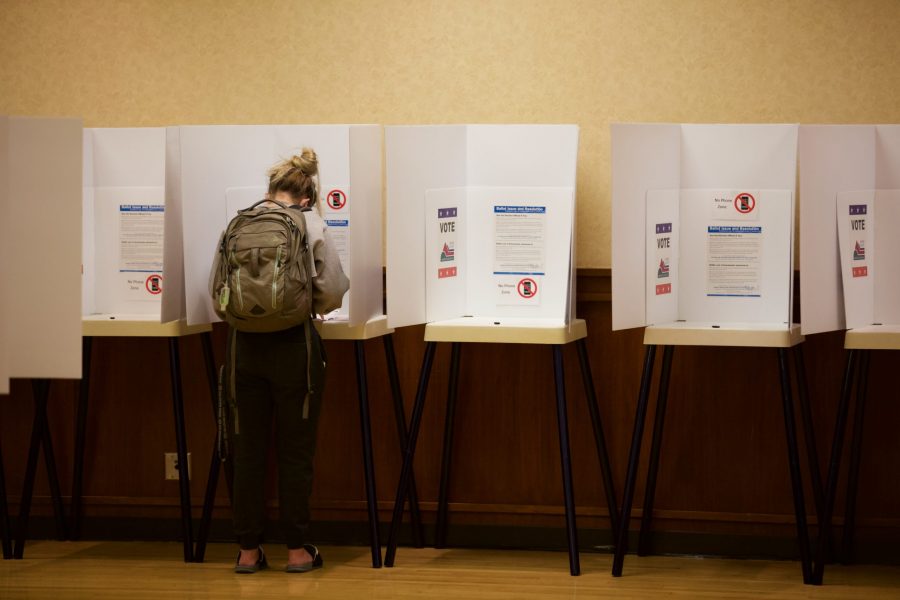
{"type": "Point", "coordinates": [237, 285]}
{"type": "Point", "coordinates": [275, 278]}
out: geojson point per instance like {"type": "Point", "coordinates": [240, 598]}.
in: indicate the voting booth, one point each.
{"type": "Point", "coordinates": [40, 279]}
{"type": "Point", "coordinates": [124, 215]}
{"type": "Point", "coordinates": [850, 275]}
{"type": "Point", "coordinates": [480, 248]}
{"type": "Point", "coordinates": [214, 171]}
{"type": "Point", "coordinates": [702, 256]}
{"type": "Point", "coordinates": [480, 223]}
{"type": "Point", "coordinates": [41, 204]}
{"type": "Point", "coordinates": [849, 187]}
{"type": "Point", "coordinates": [703, 224]}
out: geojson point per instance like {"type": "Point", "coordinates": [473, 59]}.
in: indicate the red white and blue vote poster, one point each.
{"type": "Point", "coordinates": [519, 253]}
{"type": "Point", "coordinates": [445, 247]}
{"type": "Point", "coordinates": [663, 266]}
{"type": "Point", "coordinates": [858, 226]}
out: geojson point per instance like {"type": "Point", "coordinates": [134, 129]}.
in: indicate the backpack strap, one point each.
{"type": "Point", "coordinates": [263, 201]}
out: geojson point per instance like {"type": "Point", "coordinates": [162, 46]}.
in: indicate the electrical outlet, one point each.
{"type": "Point", "coordinates": [172, 465]}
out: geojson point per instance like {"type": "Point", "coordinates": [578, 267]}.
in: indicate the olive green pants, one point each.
{"type": "Point", "coordinates": [270, 384]}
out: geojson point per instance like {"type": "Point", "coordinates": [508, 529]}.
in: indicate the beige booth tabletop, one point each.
{"type": "Point", "coordinates": [707, 334]}
{"type": "Point", "coordinates": [136, 326]}
{"type": "Point", "coordinates": [341, 330]}
{"type": "Point", "coordinates": [506, 331]}
{"type": "Point", "coordinates": [873, 337]}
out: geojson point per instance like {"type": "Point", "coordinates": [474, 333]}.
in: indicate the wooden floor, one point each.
{"type": "Point", "coordinates": [134, 570]}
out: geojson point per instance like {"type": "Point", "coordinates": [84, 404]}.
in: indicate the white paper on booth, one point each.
{"type": "Point", "coordinates": [128, 243]}
{"type": "Point", "coordinates": [887, 257]}
{"type": "Point", "coordinates": [662, 256]}
{"type": "Point", "coordinates": [518, 253]}
{"type": "Point", "coordinates": [445, 254]}
{"type": "Point", "coordinates": [735, 270]}
{"type": "Point", "coordinates": [856, 236]}
{"type": "Point", "coordinates": [337, 215]}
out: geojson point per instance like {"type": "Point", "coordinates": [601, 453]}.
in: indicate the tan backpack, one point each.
{"type": "Point", "coordinates": [261, 276]}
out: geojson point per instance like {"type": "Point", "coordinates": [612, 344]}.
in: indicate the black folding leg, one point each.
{"type": "Point", "coordinates": [212, 480]}
{"type": "Point", "coordinates": [52, 475]}
{"type": "Point", "coordinates": [566, 459]}
{"type": "Point", "coordinates": [599, 438]}
{"type": "Point", "coordinates": [656, 445]}
{"type": "Point", "coordinates": [181, 449]}
{"type": "Point", "coordinates": [634, 456]}
{"type": "Point", "coordinates": [5, 531]}
{"type": "Point", "coordinates": [794, 463]}
{"type": "Point", "coordinates": [368, 463]}
{"type": "Point", "coordinates": [81, 437]}
{"type": "Point", "coordinates": [855, 455]}
{"type": "Point", "coordinates": [834, 468]}
{"type": "Point", "coordinates": [40, 438]}
{"type": "Point", "coordinates": [409, 454]}
{"type": "Point", "coordinates": [418, 534]}
{"type": "Point", "coordinates": [809, 434]}
{"type": "Point", "coordinates": [440, 534]}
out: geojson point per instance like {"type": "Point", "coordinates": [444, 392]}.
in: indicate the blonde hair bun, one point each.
{"type": "Point", "coordinates": [307, 162]}
{"type": "Point", "coordinates": [298, 176]}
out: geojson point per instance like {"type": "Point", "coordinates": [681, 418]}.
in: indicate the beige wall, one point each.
{"type": "Point", "coordinates": [590, 62]}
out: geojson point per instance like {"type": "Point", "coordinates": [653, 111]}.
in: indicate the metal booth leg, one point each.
{"type": "Point", "coordinates": [81, 437]}
{"type": "Point", "coordinates": [834, 469]}
{"type": "Point", "coordinates": [52, 475]}
{"type": "Point", "coordinates": [181, 448]}
{"type": "Point", "coordinates": [599, 438]}
{"type": "Point", "coordinates": [566, 459]}
{"type": "Point", "coordinates": [655, 447]}
{"type": "Point", "coordinates": [809, 434]}
{"type": "Point", "coordinates": [440, 534]}
{"type": "Point", "coordinates": [794, 463]}
{"type": "Point", "coordinates": [5, 530]}
{"type": "Point", "coordinates": [409, 454]}
{"type": "Point", "coordinates": [212, 481]}
{"type": "Point", "coordinates": [40, 437]}
{"type": "Point", "coordinates": [368, 463]}
{"type": "Point", "coordinates": [418, 534]}
{"type": "Point", "coordinates": [855, 455]}
{"type": "Point", "coordinates": [634, 456]}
